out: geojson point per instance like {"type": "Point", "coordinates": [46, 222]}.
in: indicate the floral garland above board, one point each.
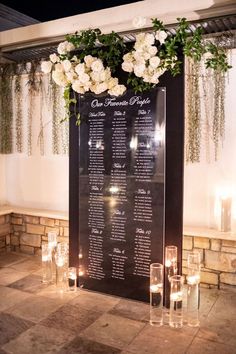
{"type": "Point", "coordinates": [103, 55]}
{"type": "Point", "coordinates": [90, 61]}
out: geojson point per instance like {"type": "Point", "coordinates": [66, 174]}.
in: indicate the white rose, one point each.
{"type": "Point", "coordinates": [97, 65]}
{"type": "Point", "coordinates": [139, 22]}
{"type": "Point", "coordinates": [61, 48]}
{"type": "Point", "coordinates": [139, 45]}
{"type": "Point", "coordinates": [139, 70]}
{"type": "Point", "coordinates": [117, 90]}
{"type": "Point", "coordinates": [113, 81]}
{"type": "Point", "coordinates": [150, 70]}
{"type": "Point", "coordinates": [99, 88]}
{"type": "Point", "coordinates": [147, 78]}
{"type": "Point", "coordinates": [149, 39]}
{"type": "Point", "coordinates": [95, 76]}
{"type": "Point", "coordinates": [65, 47]}
{"type": "Point", "coordinates": [66, 65]}
{"type": "Point", "coordinates": [59, 67]}
{"type": "Point", "coordinates": [138, 56]}
{"type": "Point", "coordinates": [54, 58]}
{"type": "Point", "coordinates": [46, 67]}
{"type": "Point", "coordinates": [152, 50]}
{"type": "Point", "coordinates": [88, 59]}
{"type": "Point", "coordinates": [80, 68]}
{"type": "Point", "coordinates": [76, 86]}
{"type": "Point", "coordinates": [146, 55]}
{"type": "Point", "coordinates": [87, 86]}
{"type": "Point", "coordinates": [59, 78]}
{"type": "Point", "coordinates": [154, 62]}
{"type": "Point", "coordinates": [127, 66]}
{"type": "Point", "coordinates": [84, 78]}
{"type": "Point", "coordinates": [161, 36]}
{"type": "Point", "coordinates": [105, 74]}
{"type": "Point", "coordinates": [154, 79]}
{"type": "Point", "coordinates": [128, 57]}
{"type": "Point", "coordinates": [69, 47]}
{"type": "Point", "coordinates": [140, 37]}
{"type": "Point", "coordinates": [71, 76]}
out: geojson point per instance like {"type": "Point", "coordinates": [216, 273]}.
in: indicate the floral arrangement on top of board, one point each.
{"type": "Point", "coordinates": [89, 61]}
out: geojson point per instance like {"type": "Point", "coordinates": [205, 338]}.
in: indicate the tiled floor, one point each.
{"type": "Point", "coordinates": [35, 318]}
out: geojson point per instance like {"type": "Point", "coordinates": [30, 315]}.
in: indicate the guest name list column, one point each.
{"type": "Point", "coordinates": [119, 190]}
{"type": "Point", "coordinates": [96, 220]}
{"type": "Point", "coordinates": [143, 172]}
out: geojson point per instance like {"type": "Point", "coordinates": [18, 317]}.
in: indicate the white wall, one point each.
{"type": "Point", "coordinates": [37, 181]}
{"type": "Point", "coordinates": [203, 181]}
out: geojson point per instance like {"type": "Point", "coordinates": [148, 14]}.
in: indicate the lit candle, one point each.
{"type": "Point", "coordinates": [156, 288]}
{"type": "Point", "coordinates": [176, 296]}
{"type": "Point", "coordinates": [193, 279]}
{"type": "Point", "coordinates": [225, 203]}
{"type": "Point", "coordinates": [60, 261]}
{"type": "Point", "coordinates": [170, 270]}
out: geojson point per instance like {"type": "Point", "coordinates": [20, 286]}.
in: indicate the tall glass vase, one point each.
{"type": "Point", "coordinates": [46, 264]}
{"type": "Point", "coordinates": [170, 270]}
{"type": "Point", "coordinates": [193, 288]}
{"type": "Point", "coordinates": [61, 259]}
{"type": "Point", "coordinates": [156, 294]}
{"type": "Point", "coordinates": [176, 301]}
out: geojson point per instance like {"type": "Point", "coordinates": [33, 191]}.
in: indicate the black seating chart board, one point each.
{"type": "Point", "coordinates": [121, 191]}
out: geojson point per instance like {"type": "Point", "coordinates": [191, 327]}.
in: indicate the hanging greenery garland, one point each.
{"type": "Point", "coordinates": [18, 111]}
{"type": "Point", "coordinates": [193, 113]}
{"type": "Point", "coordinates": [33, 85]}
{"type": "Point", "coordinates": [6, 108]}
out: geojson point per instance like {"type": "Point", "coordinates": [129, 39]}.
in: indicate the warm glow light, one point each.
{"type": "Point", "coordinates": [156, 288]}
{"type": "Point", "coordinates": [45, 258]}
{"type": "Point", "coordinates": [114, 189]}
{"type": "Point", "coordinates": [159, 135]}
{"type": "Point", "coordinates": [80, 256]}
{"type": "Point", "coordinates": [193, 279]}
{"type": "Point", "coordinates": [99, 145]}
{"type": "Point", "coordinates": [60, 261]}
{"type": "Point", "coordinates": [170, 262]}
{"type": "Point", "coordinates": [176, 296]}
{"type": "Point", "coordinates": [81, 273]}
{"type": "Point", "coordinates": [134, 143]}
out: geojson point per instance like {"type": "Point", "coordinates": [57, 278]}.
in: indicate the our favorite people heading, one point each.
{"type": "Point", "coordinates": [113, 102]}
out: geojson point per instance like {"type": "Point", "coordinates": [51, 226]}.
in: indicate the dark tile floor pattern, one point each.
{"type": "Point", "coordinates": [36, 319]}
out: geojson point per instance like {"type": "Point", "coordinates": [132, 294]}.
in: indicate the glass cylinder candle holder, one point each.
{"type": "Point", "coordinates": [46, 264]}
{"type": "Point", "coordinates": [52, 243]}
{"type": "Point", "coordinates": [72, 278]}
{"type": "Point", "coordinates": [170, 270]}
{"type": "Point", "coordinates": [156, 294]}
{"type": "Point", "coordinates": [61, 271]}
{"type": "Point", "coordinates": [193, 289]}
{"type": "Point", "coordinates": [176, 301]}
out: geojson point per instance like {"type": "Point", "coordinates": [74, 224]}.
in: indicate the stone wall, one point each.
{"type": "Point", "coordinates": [29, 232]}
{"type": "Point", "coordinates": [218, 258]}
{"type": "Point", "coordinates": [4, 231]}
{"type": "Point", "coordinates": [26, 233]}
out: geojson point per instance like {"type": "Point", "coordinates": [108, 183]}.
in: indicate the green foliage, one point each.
{"type": "Point", "coordinates": [137, 84]}
{"type": "Point", "coordinates": [110, 48]}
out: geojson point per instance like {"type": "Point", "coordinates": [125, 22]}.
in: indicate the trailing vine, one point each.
{"type": "Point", "coordinates": [19, 114]}
{"type": "Point", "coordinates": [33, 85]}
{"type": "Point", "coordinates": [6, 109]}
